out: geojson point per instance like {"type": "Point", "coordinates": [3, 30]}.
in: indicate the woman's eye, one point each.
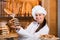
{"type": "Point", "coordinates": [36, 15]}
{"type": "Point", "coordinates": [39, 14]}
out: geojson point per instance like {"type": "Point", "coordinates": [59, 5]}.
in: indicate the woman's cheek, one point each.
{"type": "Point", "coordinates": [36, 18]}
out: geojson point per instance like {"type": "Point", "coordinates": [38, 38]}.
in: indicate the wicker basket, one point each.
{"type": "Point", "coordinates": [48, 37]}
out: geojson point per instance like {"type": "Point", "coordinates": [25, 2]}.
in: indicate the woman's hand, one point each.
{"type": "Point", "coordinates": [16, 27]}
{"type": "Point", "coordinates": [11, 21]}
{"type": "Point", "coordinates": [12, 26]}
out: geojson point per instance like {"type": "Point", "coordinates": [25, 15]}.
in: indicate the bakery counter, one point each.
{"type": "Point", "coordinates": [14, 36]}
{"type": "Point", "coordinates": [10, 36]}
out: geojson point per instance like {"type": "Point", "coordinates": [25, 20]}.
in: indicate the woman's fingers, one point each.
{"type": "Point", "coordinates": [18, 27]}
{"type": "Point", "coordinates": [13, 26]}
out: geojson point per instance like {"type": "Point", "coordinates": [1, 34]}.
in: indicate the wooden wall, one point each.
{"type": "Point", "coordinates": [53, 15]}
{"type": "Point", "coordinates": [51, 7]}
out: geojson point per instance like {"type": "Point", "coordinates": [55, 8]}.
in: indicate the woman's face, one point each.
{"type": "Point", "coordinates": [39, 17]}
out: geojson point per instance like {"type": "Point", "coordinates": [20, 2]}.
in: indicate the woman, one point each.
{"type": "Point", "coordinates": [37, 28]}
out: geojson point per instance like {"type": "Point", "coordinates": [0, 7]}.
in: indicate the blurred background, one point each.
{"type": "Point", "coordinates": [22, 9]}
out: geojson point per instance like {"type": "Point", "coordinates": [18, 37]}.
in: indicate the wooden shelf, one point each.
{"type": "Point", "coordinates": [19, 17]}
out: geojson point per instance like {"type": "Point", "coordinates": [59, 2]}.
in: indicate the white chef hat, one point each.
{"type": "Point", "coordinates": [38, 9]}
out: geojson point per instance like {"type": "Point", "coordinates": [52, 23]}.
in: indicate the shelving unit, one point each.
{"type": "Point", "coordinates": [25, 18]}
